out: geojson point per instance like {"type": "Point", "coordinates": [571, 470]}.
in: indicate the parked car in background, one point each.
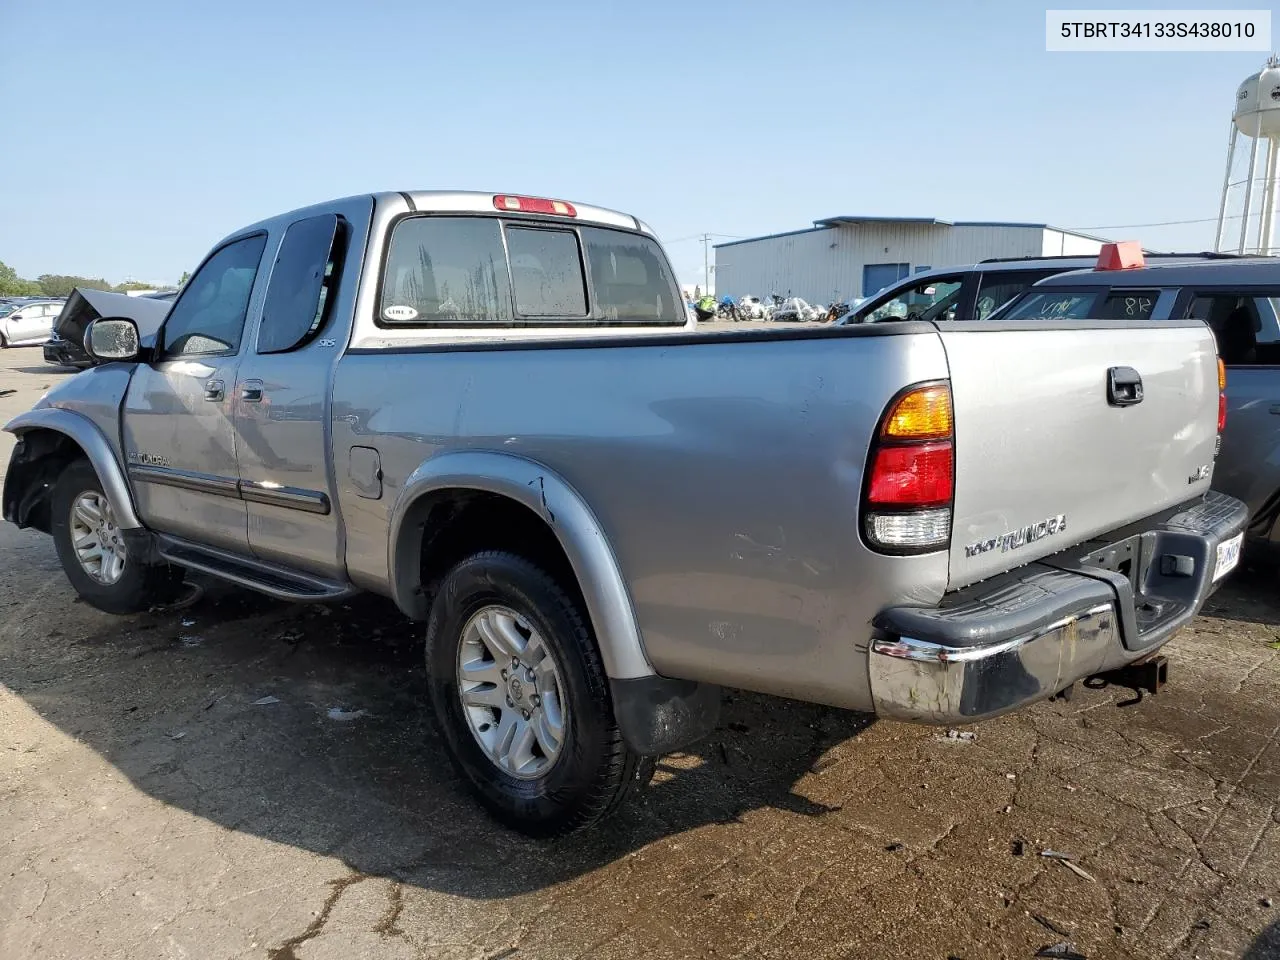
{"type": "Point", "coordinates": [975, 291]}
{"type": "Point", "coordinates": [1238, 298]}
{"type": "Point", "coordinates": [27, 322]}
{"type": "Point", "coordinates": [548, 471]}
{"type": "Point", "coordinates": [65, 347]}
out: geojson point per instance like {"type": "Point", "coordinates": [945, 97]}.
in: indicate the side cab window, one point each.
{"type": "Point", "coordinates": [208, 317]}
{"type": "Point", "coordinates": [302, 288]}
{"type": "Point", "coordinates": [1244, 325]}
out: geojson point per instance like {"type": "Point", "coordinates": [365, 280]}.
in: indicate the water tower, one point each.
{"type": "Point", "coordinates": [1257, 116]}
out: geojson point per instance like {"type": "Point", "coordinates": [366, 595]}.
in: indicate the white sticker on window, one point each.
{"type": "Point", "coordinates": [400, 313]}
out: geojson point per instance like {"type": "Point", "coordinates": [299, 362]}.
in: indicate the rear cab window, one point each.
{"type": "Point", "coordinates": [483, 271]}
{"type": "Point", "coordinates": [546, 273]}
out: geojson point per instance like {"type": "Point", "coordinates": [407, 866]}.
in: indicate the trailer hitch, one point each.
{"type": "Point", "coordinates": [1148, 676]}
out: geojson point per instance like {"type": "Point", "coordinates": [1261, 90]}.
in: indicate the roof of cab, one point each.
{"type": "Point", "coordinates": [1242, 271]}
{"type": "Point", "coordinates": [475, 201]}
{"type": "Point", "coordinates": [446, 201]}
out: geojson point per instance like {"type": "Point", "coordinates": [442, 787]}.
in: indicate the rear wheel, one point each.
{"type": "Point", "coordinates": [92, 549]}
{"type": "Point", "coordinates": [520, 692]}
{"type": "Point", "coordinates": [4, 342]}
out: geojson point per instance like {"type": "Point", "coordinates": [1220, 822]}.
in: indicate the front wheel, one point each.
{"type": "Point", "coordinates": [92, 549]}
{"type": "Point", "coordinates": [520, 692]}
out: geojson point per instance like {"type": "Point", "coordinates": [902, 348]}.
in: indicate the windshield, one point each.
{"type": "Point", "coordinates": [8, 308]}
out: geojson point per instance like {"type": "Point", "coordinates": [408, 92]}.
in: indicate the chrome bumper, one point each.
{"type": "Point", "coordinates": [1029, 634]}
{"type": "Point", "coordinates": [931, 683]}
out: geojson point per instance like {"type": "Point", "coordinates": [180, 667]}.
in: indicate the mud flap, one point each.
{"type": "Point", "coordinates": [657, 715]}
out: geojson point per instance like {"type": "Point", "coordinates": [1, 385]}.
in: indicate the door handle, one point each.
{"type": "Point", "coordinates": [251, 391]}
{"type": "Point", "coordinates": [214, 390]}
{"type": "Point", "coordinates": [1124, 387]}
{"type": "Point", "coordinates": [1274, 409]}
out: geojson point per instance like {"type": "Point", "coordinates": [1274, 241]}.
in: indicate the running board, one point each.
{"type": "Point", "coordinates": [275, 581]}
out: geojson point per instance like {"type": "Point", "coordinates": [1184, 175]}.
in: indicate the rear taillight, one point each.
{"type": "Point", "coordinates": [914, 475]}
{"type": "Point", "coordinates": [1222, 396]}
{"type": "Point", "coordinates": [910, 479]}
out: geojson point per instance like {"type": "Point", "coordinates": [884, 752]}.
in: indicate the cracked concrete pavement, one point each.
{"type": "Point", "coordinates": [172, 785]}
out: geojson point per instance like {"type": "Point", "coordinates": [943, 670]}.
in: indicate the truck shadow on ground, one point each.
{"type": "Point", "coordinates": [309, 726]}
{"type": "Point", "coordinates": [1267, 946]}
{"type": "Point", "coordinates": [1248, 594]}
{"type": "Point", "coordinates": [48, 370]}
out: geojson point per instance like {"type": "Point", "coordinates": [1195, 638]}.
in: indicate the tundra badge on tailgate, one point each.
{"type": "Point", "coordinates": [1018, 538]}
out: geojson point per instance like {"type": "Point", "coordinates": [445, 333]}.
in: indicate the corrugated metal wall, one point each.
{"type": "Point", "coordinates": [823, 265]}
{"type": "Point", "coordinates": [1059, 243]}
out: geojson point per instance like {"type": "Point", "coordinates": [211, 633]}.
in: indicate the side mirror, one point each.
{"type": "Point", "coordinates": [111, 339]}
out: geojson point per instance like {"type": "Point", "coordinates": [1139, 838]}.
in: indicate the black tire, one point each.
{"type": "Point", "coordinates": [4, 343]}
{"type": "Point", "coordinates": [139, 586]}
{"type": "Point", "coordinates": [595, 770]}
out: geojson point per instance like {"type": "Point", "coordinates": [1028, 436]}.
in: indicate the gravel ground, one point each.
{"type": "Point", "coordinates": [179, 784]}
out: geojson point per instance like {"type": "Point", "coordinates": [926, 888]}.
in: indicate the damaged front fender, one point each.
{"type": "Point", "coordinates": [48, 439]}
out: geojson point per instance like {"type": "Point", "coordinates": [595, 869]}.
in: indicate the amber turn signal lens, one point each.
{"type": "Point", "coordinates": [1222, 375]}
{"type": "Point", "coordinates": [922, 414]}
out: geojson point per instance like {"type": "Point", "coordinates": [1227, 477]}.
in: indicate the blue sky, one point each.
{"type": "Point", "coordinates": [136, 133]}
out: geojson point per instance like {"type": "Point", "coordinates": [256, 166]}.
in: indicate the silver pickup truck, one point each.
{"type": "Point", "coordinates": [494, 411]}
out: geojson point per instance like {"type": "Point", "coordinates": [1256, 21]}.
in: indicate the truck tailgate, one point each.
{"type": "Point", "coordinates": [1045, 458]}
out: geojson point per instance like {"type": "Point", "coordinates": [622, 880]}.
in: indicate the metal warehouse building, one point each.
{"type": "Point", "coordinates": [844, 257]}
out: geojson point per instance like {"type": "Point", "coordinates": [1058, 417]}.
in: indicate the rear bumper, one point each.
{"type": "Point", "coordinates": [1022, 637]}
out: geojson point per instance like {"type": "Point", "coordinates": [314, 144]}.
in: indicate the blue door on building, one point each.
{"type": "Point", "coordinates": [877, 276]}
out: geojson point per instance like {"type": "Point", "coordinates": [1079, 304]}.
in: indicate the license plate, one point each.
{"type": "Point", "coordinates": [1228, 556]}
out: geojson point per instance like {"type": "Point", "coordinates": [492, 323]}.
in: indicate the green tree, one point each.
{"type": "Point", "coordinates": [134, 285]}
{"type": "Point", "coordinates": [57, 285]}
{"type": "Point", "coordinates": [186, 275]}
{"type": "Point", "coordinates": [12, 285]}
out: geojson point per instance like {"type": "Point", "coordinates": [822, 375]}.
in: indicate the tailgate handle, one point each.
{"type": "Point", "coordinates": [1124, 387]}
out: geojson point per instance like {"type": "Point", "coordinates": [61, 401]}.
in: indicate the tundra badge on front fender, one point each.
{"type": "Point", "coordinates": [148, 459]}
{"type": "Point", "coordinates": [1018, 538]}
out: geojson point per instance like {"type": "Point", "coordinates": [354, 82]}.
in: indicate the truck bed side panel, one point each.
{"type": "Point", "coordinates": [726, 475]}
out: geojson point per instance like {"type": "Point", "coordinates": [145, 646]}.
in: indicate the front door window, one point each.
{"type": "Point", "coordinates": [928, 300]}
{"type": "Point", "coordinates": [208, 318]}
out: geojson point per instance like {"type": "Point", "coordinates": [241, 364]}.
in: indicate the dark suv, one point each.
{"type": "Point", "coordinates": [973, 292]}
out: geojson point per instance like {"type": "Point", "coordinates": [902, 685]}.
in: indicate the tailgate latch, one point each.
{"type": "Point", "coordinates": [1124, 386]}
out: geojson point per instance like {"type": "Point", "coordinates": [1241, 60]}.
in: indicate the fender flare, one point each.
{"type": "Point", "coordinates": [567, 515]}
{"type": "Point", "coordinates": [94, 443]}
